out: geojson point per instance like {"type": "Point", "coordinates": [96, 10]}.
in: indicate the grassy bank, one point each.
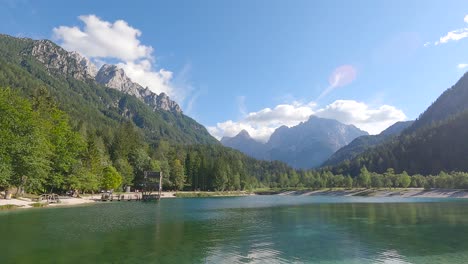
{"type": "Point", "coordinates": [210, 194]}
{"type": "Point", "coordinates": [8, 207]}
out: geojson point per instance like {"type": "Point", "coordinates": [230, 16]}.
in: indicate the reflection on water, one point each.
{"type": "Point", "coordinates": [260, 229]}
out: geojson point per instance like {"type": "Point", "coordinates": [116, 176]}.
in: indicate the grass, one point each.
{"type": "Point", "coordinates": [8, 207]}
{"type": "Point", "coordinates": [209, 194]}
{"type": "Point", "coordinates": [39, 205]}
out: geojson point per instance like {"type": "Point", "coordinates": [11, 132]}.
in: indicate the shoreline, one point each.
{"type": "Point", "coordinates": [24, 203]}
{"type": "Point", "coordinates": [403, 193]}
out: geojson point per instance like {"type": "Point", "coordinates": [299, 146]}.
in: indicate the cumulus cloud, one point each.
{"type": "Point", "coordinates": [142, 72]}
{"type": "Point", "coordinates": [262, 124]}
{"type": "Point", "coordinates": [454, 35]}
{"type": "Point", "coordinates": [104, 41]}
{"type": "Point", "coordinates": [341, 76]}
{"type": "Point", "coordinates": [462, 65]}
{"type": "Point", "coordinates": [372, 120]}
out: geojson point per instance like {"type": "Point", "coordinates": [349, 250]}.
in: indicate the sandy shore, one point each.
{"type": "Point", "coordinates": [410, 192]}
{"type": "Point", "coordinates": [69, 201]}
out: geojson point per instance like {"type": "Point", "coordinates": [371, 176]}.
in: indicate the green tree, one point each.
{"type": "Point", "coordinates": [24, 148]}
{"type": "Point", "coordinates": [405, 179]}
{"type": "Point", "coordinates": [348, 182]}
{"type": "Point", "coordinates": [364, 178]}
{"type": "Point", "coordinates": [65, 144]}
{"type": "Point", "coordinates": [126, 170]}
{"type": "Point", "coordinates": [293, 179]}
{"type": "Point", "coordinates": [377, 180]}
{"type": "Point", "coordinates": [111, 179]}
{"type": "Point", "coordinates": [178, 176]}
{"type": "Point", "coordinates": [220, 176]}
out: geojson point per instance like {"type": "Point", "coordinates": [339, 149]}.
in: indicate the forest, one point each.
{"type": "Point", "coordinates": [58, 133]}
{"type": "Point", "coordinates": [40, 152]}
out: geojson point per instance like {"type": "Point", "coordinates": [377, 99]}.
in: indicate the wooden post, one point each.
{"type": "Point", "coordinates": [160, 185]}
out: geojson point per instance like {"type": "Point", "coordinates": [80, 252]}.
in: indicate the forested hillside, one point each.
{"type": "Point", "coordinates": [89, 103]}
{"type": "Point", "coordinates": [435, 142]}
{"type": "Point", "coordinates": [363, 143]}
{"type": "Point", "coordinates": [62, 131]}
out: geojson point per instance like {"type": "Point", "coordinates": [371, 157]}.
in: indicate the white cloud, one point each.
{"type": "Point", "coordinates": [102, 39]}
{"type": "Point", "coordinates": [105, 42]}
{"type": "Point", "coordinates": [372, 120]}
{"type": "Point", "coordinates": [141, 72]}
{"type": "Point", "coordinates": [262, 124]}
{"type": "Point", "coordinates": [454, 35]}
{"type": "Point", "coordinates": [462, 65]}
{"type": "Point", "coordinates": [341, 76]}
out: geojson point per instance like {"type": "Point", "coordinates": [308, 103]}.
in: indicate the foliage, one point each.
{"type": "Point", "coordinates": [111, 179]}
{"type": "Point", "coordinates": [8, 207]}
{"type": "Point", "coordinates": [58, 133]}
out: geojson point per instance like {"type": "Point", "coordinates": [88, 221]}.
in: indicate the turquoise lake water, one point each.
{"type": "Point", "coordinates": [256, 229]}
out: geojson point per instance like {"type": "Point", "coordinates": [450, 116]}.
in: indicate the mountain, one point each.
{"type": "Point", "coordinates": [305, 145]}
{"type": "Point", "coordinates": [96, 98]}
{"type": "Point", "coordinates": [310, 143]}
{"type": "Point", "coordinates": [435, 142]}
{"type": "Point", "coordinates": [363, 143]}
{"type": "Point", "coordinates": [453, 101]}
{"type": "Point", "coordinates": [244, 143]}
{"type": "Point", "coordinates": [68, 125]}
{"type": "Point", "coordinates": [113, 77]}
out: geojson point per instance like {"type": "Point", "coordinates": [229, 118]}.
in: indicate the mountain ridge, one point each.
{"type": "Point", "coordinates": [69, 79]}
{"type": "Point", "coordinates": [362, 143]}
{"type": "Point", "coordinates": [435, 142]}
{"type": "Point", "coordinates": [57, 59]}
{"type": "Point", "coordinates": [305, 145]}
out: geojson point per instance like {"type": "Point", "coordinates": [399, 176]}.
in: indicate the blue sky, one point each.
{"type": "Point", "coordinates": [257, 65]}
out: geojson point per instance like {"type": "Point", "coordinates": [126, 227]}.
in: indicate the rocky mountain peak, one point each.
{"type": "Point", "coordinates": [305, 145]}
{"type": "Point", "coordinates": [115, 77]}
{"type": "Point", "coordinates": [58, 60]}
{"type": "Point", "coordinates": [244, 134]}
{"type": "Point", "coordinates": [161, 102]}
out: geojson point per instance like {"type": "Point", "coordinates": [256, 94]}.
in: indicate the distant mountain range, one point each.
{"type": "Point", "coordinates": [101, 99]}
{"type": "Point", "coordinates": [363, 143]}
{"type": "Point", "coordinates": [306, 145]}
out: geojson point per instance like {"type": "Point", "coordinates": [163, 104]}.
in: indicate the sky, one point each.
{"type": "Point", "coordinates": [260, 64]}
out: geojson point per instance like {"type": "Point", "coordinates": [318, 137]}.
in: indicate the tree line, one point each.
{"type": "Point", "coordinates": [42, 152]}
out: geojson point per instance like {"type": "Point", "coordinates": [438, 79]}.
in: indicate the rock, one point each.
{"type": "Point", "coordinates": [304, 146]}
{"type": "Point", "coordinates": [114, 77]}
{"type": "Point", "coordinates": [58, 60]}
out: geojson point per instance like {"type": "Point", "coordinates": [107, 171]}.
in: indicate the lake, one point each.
{"type": "Point", "coordinates": [254, 229]}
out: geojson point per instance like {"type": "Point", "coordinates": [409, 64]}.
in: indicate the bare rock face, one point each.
{"type": "Point", "coordinates": [162, 102]}
{"type": "Point", "coordinates": [85, 64]}
{"type": "Point", "coordinates": [58, 60]}
{"type": "Point", "coordinates": [114, 77]}
{"type": "Point", "coordinates": [304, 146]}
